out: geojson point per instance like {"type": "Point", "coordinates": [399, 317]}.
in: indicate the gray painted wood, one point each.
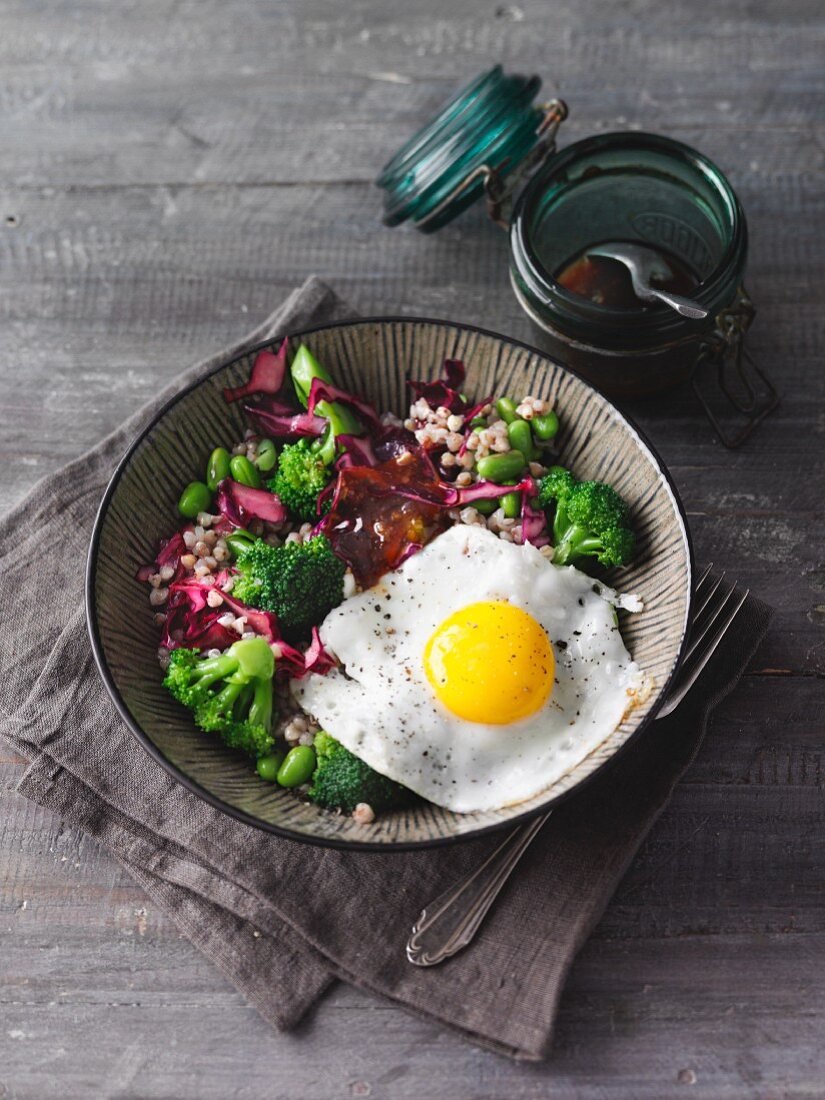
{"type": "Point", "coordinates": [169, 170]}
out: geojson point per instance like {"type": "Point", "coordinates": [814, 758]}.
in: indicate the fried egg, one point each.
{"type": "Point", "coordinates": [476, 674]}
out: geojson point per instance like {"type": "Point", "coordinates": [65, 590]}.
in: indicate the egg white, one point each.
{"type": "Point", "coordinates": [381, 706]}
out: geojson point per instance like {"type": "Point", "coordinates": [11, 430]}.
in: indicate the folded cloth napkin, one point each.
{"type": "Point", "coordinates": [279, 918]}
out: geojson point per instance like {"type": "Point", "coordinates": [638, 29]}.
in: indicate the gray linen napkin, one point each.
{"type": "Point", "coordinates": [282, 920]}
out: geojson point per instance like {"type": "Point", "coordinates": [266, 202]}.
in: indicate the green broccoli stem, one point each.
{"type": "Point", "coordinates": [260, 710]}
{"type": "Point", "coordinates": [576, 542]}
{"type": "Point", "coordinates": [571, 540]}
{"type": "Point", "coordinates": [211, 669]}
{"type": "Point", "coordinates": [227, 697]}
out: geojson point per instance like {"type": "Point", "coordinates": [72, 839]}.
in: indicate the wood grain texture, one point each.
{"type": "Point", "coordinates": [173, 167]}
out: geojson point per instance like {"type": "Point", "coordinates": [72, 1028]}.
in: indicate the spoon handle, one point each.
{"type": "Point", "coordinates": [685, 306]}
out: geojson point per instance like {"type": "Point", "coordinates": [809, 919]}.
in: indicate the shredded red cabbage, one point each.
{"type": "Point", "coordinates": [453, 496]}
{"type": "Point", "coordinates": [281, 422]}
{"type": "Point", "coordinates": [169, 553]}
{"type": "Point", "coordinates": [183, 627]}
{"type": "Point", "coordinates": [533, 520]}
{"type": "Point", "coordinates": [325, 391]}
{"type": "Point", "coordinates": [408, 551]}
{"type": "Point", "coordinates": [267, 375]}
{"type": "Point", "coordinates": [443, 392]}
{"type": "Point", "coordinates": [357, 451]}
{"type": "Point", "coordinates": [474, 410]}
{"type": "Point", "coordinates": [264, 623]}
{"type": "Point", "coordinates": [197, 588]}
{"type": "Point", "coordinates": [189, 619]}
{"type": "Point", "coordinates": [316, 658]}
{"type": "Point", "coordinates": [239, 504]}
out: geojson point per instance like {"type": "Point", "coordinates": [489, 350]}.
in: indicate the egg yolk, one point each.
{"type": "Point", "coordinates": [490, 662]}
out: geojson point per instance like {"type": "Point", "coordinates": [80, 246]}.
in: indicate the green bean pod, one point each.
{"type": "Point", "coordinates": [217, 468]}
{"type": "Point", "coordinates": [545, 427]}
{"type": "Point", "coordinates": [267, 458]}
{"type": "Point", "coordinates": [268, 766]}
{"type": "Point", "coordinates": [501, 468]}
{"type": "Point", "coordinates": [521, 439]}
{"type": "Point", "coordinates": [239, 541]}
{"type": "Point", "coordinates": [298, 766]}
{"type": "Point", "coordinates": [195, 498]}
{"type": "Point", "coordinates": [506, 409]}
{"type": "Point", "coordinates": [243, 471]}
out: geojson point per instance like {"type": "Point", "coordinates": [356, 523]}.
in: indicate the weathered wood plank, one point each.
{"type": "Point", "coordinates": [658, 1007]}
{"type": "Point", "coordinates": [170, 170]}
{"type": "Point", "coordinates": [81, 109]}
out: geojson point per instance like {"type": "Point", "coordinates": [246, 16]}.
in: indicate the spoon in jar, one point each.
{"type": "Point", "coordinates": [644, 264]}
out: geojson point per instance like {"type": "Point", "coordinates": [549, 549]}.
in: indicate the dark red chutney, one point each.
{"type": "Point", "coordinates": [607, 282]}
{"type": "Point", "coordinates": [373, 526]}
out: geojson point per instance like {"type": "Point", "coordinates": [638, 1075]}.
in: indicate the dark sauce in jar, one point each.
{"type": "Point", "coordinates": [607, 282]}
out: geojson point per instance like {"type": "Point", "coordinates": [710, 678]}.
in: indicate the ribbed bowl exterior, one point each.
{"type": "Point", "coordinates": [373, 358]}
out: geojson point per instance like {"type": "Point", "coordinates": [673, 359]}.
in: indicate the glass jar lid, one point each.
{"type": "Point", "coordinates": [490, 128]}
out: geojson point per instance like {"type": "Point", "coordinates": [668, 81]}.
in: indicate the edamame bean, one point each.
{"type": "Point", "coordinates": [511, 503]}
{"type": "Point", "coordinates": [267, 766]}
{"type": "Point", "coordinates": [217, 468]}
{"type": "Point", "coordinates": [194, 498]}
{"type": "Point", "coordinates": [521, 439]}
{"type": "Point", "coordinates": [506, 409]}
{"type": "Point", "coordinates": [501, 468]}
{"type": "Point", "coordinates": [243, 471]}
{"type": "Point", "coordinates": [267, 457]}
{"type": "Point", "coordinates": [478, 422]}
{"type": "Point", "coordinates": [545, 427]}
{"type": "Point", "coordinates": [239, 541]}
{"type": "Point", "coordinates": [485, 507]}
{"type": "Point", "coordinates": [298, 766]}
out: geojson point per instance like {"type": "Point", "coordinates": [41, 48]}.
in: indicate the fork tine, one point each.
{"type": "Point", "coordinates": [702, 579]}
{"type": "Point", "coordinates": [702, 629]}
{"type": "Point", "coordinates": [686, 678]}
{"type": "Point", "coordinates": [706, 599]}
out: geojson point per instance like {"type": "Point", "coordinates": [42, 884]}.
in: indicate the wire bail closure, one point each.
{"type": "Point", "coordinates": [501, 186]}
{"type": "Point", "coordinates": [725, 350]}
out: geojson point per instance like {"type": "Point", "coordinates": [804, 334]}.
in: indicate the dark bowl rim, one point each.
{"type": "Point", "coordinates": [334, 842]}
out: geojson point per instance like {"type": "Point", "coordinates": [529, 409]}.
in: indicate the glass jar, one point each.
{"type": "Point", "coordinates": [491, 139]}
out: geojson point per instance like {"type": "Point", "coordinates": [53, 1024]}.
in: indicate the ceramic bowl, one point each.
{"type": "Point", "coordinates": [374, 358]}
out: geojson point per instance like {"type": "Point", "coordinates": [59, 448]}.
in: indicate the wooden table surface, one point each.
{"type": "Point", "coordinates": [170, 170]}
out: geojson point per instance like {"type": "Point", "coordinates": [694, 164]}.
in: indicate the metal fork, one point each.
{"type": "Point", "coordinates": [450, 922]}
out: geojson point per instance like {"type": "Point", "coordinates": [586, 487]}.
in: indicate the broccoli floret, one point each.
{"type": "Point", "coordinates": [300, 581]}
{"type": "Point", "coordinates": [230, 695]}
{"type": "Point", "coordinates": [304, 467]}
{"type": "Point", "coordinates": [590, 520]}
{"type": "Point", "coordinates": [342, 421]}
{"type": "Point", "coordinates": [302, 475]}
{"type": "Point", "coordinates": [341, 780]}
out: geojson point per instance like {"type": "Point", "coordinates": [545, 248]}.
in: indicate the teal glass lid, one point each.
{"type": "Point", "coordinates": [491, 127]}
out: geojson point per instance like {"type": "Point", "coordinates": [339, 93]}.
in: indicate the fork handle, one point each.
{"type": "Point", "coordinates": [450, 922]}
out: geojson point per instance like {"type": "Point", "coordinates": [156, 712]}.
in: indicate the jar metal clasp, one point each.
{"type": "Point", "coordinates": [500, 186]}
{"type": "Point", "coordinates": [742, 382]}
